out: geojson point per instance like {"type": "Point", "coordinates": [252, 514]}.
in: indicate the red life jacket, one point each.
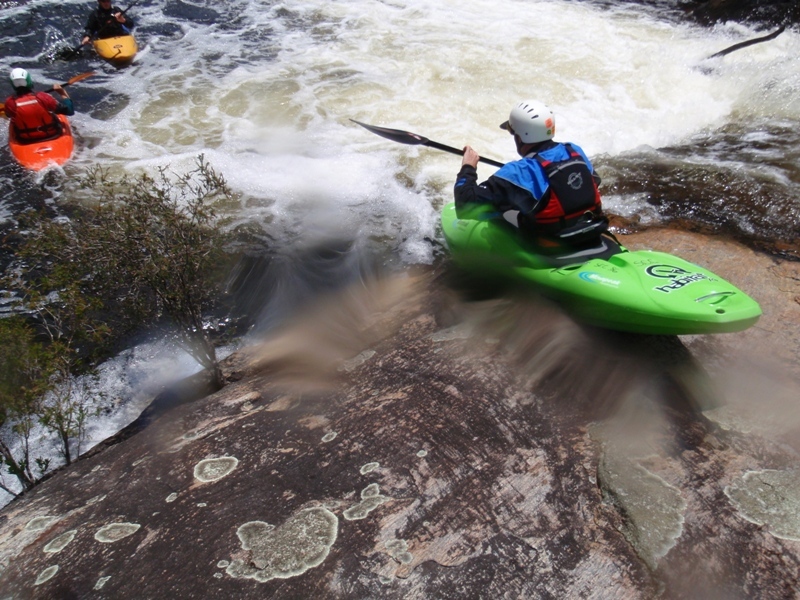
{"type": "Point", "coordinates": [572, 193]}
{"type": "Point", "coordinates": [32, 121]}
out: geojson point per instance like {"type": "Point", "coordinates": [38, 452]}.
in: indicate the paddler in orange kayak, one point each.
{"type": "Point", "coordinates": [34, 114]}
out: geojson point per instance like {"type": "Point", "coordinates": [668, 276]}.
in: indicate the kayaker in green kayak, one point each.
{"type": "Point", "coordinates": [553, 186]}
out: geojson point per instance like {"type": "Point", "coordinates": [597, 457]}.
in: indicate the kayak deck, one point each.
{"type": "Point", "coordinates": [634, 291]}
{"type": "Point", "coordinates": [119, 51]}
{"type": "Point", "coordinates": [39, 155]}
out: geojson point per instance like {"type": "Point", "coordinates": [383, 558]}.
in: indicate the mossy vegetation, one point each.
{"type": "Point", "coordinates": [137, 252]}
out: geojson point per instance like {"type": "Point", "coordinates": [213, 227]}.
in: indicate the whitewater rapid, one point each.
{"type": "Point", "coordinates": [267, 90]}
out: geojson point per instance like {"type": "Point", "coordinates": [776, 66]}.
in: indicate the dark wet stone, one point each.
{"type": "Point", "coordinates": [488, 423]}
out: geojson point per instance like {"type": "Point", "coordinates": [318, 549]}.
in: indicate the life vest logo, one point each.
{"type": "Point", "coordinates": [598, 278]}
{"type": "Point", "coordinates": [575, 181]}
{"type": "Point", "coordinates": [679, 277]}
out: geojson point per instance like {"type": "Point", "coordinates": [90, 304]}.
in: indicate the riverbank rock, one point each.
{"type": "Point", "coordinates": [770, 13]}
{"type": "Point", "coordinates": [767, 12]}
{"type": "Point", "coordinates": [398, 442]}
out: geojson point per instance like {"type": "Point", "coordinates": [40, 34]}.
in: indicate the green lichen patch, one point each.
{"type": "Point", "coordinates": [371, 498]}
{"type": "Point", "coordinates": [46, 575]}
{"type": "Point", "coordinates": [363, 508]}
{"type": "Point", "coordinates": [40, 523]}
{"type": "Point", "coordinates": [299, 544]}
{"type": "Point", "coordinates": [398, 550]}
{"type": "Point", "coordinates": [422, 454]}
{"type": "Point", "coordinates": [369, 468]}
{"type": "Point", "coordinates": [373, 490]}
{"type": "Point", "coordinates": [59, 543]}
{"type": "Point", "coordinates": [653, 509]}
{"type": "Point", "coordinates": [771, 499]}
{"type": "Point", "coordinates": [462, 331]}
{"type": "Point", "coordinates": [101, 582]}
{"type": "Point", "coordinates": [214, 469]}
{"type": "Point", "coordinates": [354, 363]}
{"type": "Point", "coordinates": [253, 533]}
{"type": "Point", "coordinates": [115, 532]}
{"type": "Point", "coordinates": [731, 419]}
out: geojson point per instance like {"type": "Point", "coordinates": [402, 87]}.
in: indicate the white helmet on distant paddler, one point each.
{"type": "Point", "coordinates": [532, 121]}
{"type": "Point", "coordinates": [20, 78]}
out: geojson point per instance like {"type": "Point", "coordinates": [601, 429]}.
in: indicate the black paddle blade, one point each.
{"type": "Point", "coordinates": [396, 135]}
{"type": "Point", "coordinates": [406, 137]}
{"type": "Point", "coordinates": [68, 53]}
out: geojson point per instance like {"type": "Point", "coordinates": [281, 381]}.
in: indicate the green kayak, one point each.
{"type": "Point", "coordinates": [605, 286]}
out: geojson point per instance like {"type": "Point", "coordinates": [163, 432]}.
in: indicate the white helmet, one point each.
{"type": "Point", "coordinates": [20, 78]}
{"type": "Point", "coordinates": [532, 121]}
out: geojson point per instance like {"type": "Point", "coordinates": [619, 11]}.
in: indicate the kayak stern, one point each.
{"type": "Point", "coordinates": [40, 155]}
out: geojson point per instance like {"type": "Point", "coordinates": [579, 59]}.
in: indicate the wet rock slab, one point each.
{"type": "Point", "coordinates": [400, 443]}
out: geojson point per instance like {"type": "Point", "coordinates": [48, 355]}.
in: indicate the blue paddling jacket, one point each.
{"type": "Point", "coordinates": [553, 188]}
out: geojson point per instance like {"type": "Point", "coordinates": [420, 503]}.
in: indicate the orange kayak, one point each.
{"type": "Point", "coordinates": [38, 155]}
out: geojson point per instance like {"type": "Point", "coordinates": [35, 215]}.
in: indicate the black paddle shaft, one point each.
{"type": "Point", "coordinates": [406, 137]}
{"type": "Point", "coordinates": [131, 6]}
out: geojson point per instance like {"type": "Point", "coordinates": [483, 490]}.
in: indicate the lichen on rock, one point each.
{"type": "Point", "coordinates": [371, 498]}
{"type": "Point", "coordinates": [770, 498]}
{"type": "Point", "coordinates": [115, 532]}
{"type": "Point", "coordinates": [653, 509]}
{"type": "Point", "coordinates": [369, 467]}
{"type": "Point", "coordinates": [59, 543]}
{"type": "Point", "coordinates": [214, 469]}
{"type": "Point", "coordinates": [398, 550]}
{"type": "Point", "coordinates": [301, 543]}
{"type": "Point", "coordinates": [46, 575]}
{"type": "Point", "coordinates": [354, 363]}
{"type": "Point", "coordinates": [40, 523]}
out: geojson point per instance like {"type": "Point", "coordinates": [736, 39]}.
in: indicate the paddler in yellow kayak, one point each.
{"type": "Point", "coordinates": [106, 21]}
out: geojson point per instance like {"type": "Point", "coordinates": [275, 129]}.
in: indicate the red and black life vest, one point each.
{"type": "Point", "coordinates": [572, 193]}
{"type": "Point", "coordinates": [32, 121]}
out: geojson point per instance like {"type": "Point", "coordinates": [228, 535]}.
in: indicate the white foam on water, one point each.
{"type": "Point", "coordinates": [268, 91]}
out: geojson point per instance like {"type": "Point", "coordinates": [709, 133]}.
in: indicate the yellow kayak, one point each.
{"type": "Point", "coordinates": [119, 51]}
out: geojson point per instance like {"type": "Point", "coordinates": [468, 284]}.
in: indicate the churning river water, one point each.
{"type": "Point", "coordinates": [266, 90]}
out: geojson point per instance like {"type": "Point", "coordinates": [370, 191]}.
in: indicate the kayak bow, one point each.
{"type": "Point", "coordinates": [119, 51]}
